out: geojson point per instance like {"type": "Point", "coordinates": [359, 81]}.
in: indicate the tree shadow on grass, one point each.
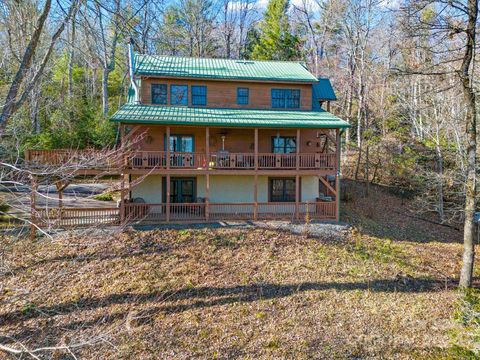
{"type": "Point", "coordinates": [205, 297]}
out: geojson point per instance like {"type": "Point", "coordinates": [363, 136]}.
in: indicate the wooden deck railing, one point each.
{"type": "Point", "coordinates": [73, 217]}
{"type": "Point", "coordinates": [180, 160]}
{"type": "Point", "coordinates": [73, 157]}
{"type": "Point", "coordinates": [223, 160]}
{"type": "Point", "coordinates": [183, 212]}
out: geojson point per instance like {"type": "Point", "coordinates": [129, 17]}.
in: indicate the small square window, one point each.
{"type": "Point", "coordinates": [179, 95]}
{"type": "Point", "coordinates": [242, 96]}
{"type": "Point", "coordinates": [159, 94]}
{"type": "Point", "coordinates": [199, 95]}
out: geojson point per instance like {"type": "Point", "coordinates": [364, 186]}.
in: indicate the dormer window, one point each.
{"type": "Point", "coordinates": [179, 95]}
{"type": "Point", "coordinates": [286, 98]}
{"type": "Point", "coordinates": [159, 94]}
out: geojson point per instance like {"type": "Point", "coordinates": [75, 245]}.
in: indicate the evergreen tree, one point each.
{"type": "Point", "coordinates": [276, 41]}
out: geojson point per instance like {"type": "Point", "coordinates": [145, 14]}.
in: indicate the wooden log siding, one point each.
{"type": "Point", "coordinates": [223, 94]}
{"type": "Point", "coordinates": [182, 212]}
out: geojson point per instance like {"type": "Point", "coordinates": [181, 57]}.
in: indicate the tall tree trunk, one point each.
{"type": "Point", "coordinates": [105, 91]}
{"type": "Point", "coordinates": [70, 58]}
{"type": "Point", "coordinates": [470, 184]}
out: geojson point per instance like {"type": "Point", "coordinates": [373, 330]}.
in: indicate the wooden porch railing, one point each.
{"type": "Point", "coordinates": [181, 160]}
{"type": "Point", "coordinates": [73, 217]}
{"type": "Point", "coordinates": [85, 158]}
{"type": "Point", "coordinates": [184, 212]}
{"type": "Point", "coordinates": [223, 160]}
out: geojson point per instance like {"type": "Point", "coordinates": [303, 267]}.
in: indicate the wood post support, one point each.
{"type": "Point", "coordinates": [207, 196]}
{"type": "Point", "coordinates": [255, 180]}
{"type": "Point", "coordinates": [207, 176]}
{"type": "Point", "coordinates": [338, 149]}
{"type": "Point", "coordinates": [122, 199]}
{"type": "Point", "coordinates": [297, 197]}
{"type": "Point", "coordinates": [167, 198]}
{"type": "Point", "coordinates": [167, 146]}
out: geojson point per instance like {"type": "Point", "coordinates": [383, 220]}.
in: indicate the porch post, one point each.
{"type": "Point", "coordinates": [167, 195]}
{"type": "Point", "coordinates": [167, 198]}
{"type": "Point", "coordinates": [338, 148]}
{"type": "Point", "coordinates": [167, 146]}
{"type": "Point", "coordinates": [34, 187]}
{"type": "Point", "coordinates": [122, 199]}
{"type": "Point", "coordinates": [297, 196]}
{"type": "Point", "coordinates": [207, 175]}
{"type": "Point", "coordinates": [297, 177]}
{"type": "Point", "coordinates": [255, 180]}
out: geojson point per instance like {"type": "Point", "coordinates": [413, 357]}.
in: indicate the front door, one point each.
{"type": "Point", "coordinates": [182, 190]}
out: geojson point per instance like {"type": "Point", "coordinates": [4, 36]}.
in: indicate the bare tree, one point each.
{"type": "Point", "coordinates": [24, 80]}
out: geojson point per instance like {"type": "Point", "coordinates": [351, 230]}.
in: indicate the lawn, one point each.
{"type": "Point", "coordinates": [230, 293]}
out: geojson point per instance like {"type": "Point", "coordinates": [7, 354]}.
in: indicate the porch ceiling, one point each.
{"type": "Point", "coordinates": [175, 115]}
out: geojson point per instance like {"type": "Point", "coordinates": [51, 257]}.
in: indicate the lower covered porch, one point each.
{"type": "Point", "coordinates": [160, 198]}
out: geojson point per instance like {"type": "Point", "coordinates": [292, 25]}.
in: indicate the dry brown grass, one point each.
{"type": "Point", "coordinates": [230, 293]}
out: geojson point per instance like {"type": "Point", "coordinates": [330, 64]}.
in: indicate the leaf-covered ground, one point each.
{"type": "Point", "coordinates": [229, 293]}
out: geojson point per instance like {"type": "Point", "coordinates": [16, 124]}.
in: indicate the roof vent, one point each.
{"type": "Point", "coordinates": [244, 62]}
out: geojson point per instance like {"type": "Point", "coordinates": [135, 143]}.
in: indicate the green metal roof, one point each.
{"type": "Point", "coordinates": [173, 66]}
{"type": "Point", "coordinates": [179, 115]}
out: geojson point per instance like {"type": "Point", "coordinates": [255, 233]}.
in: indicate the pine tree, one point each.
{"type": "Point", "coordinates": [276, 41]}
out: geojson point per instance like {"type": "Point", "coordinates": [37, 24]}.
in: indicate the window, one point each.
{"type": "Point", "coordinates": [181, 143]}
{"type": "Point", "coordinates": [242, 96]}
{"type": "Point", "coordinates": [282, 190]}
{"type": "Point", "coordinates": [179, 95]}
{"type": "Point", "coordinates": [199, 95]}
{"type": "Point", "coordinates": [286, 98]}
{"type": "Point", "coordinates": [159, 94]}
{"type": "Point", "coordinates": [284, 144]}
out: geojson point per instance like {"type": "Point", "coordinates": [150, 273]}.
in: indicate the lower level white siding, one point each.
{"type": "Point", "coordinates": [223, 188]}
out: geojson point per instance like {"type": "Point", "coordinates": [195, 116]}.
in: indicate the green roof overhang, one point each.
{"type": "Point", "coordinates": [196, 116]}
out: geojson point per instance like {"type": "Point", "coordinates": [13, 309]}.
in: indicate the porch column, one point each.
{"type": "Point", "coordinates": [167, 195]}
{"type": "Point", "coordinates": [167, 146]}
{"type": "Point", "coordinates": [34, 188]}
{"type": "Point", "coordinates": [297, 177]}
{"type": "Point", "coordinates": [297, 196]}
{"type": "Point", "coordinates": [167, 198]}
{"type": "Point", "coordinates": [207, 175]}
{"type": "Point", "coordinates": [255, 180]}
{"type": "Point", "coordinates": [122, 199]}
{"type": "Point", "coordinates": [338, 148]}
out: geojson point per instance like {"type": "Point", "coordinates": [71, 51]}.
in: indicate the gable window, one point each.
{"type": "Point", "coordinates": [282, 190]}
{"type": "Point", "coordinates": [242, 96]}
{"type": "Point", "coordinates": [199, 95]}
{"type": "Point", "coordinates": [284, 144]}
{"type": "Point", "coordinates": [159, 94]}
{"type": "Point", "coordinates": [286, 98]}
{"type": "Point", "coordinates": [178, 95]}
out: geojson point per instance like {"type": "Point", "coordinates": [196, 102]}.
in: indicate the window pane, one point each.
{"type": "Point", "coordinates": [159, 94]}
{"type": "Point", "coordinates": [278, 98]}
{"type": "Point", "coordinates": [282, 190]}
{"type": "Point", "coordinates": [293, 99]}
{"type": "Point", "coordinates": [242, 96]}
{"type": "Point", "coordinates": [179, 95]}
{"type": "Point", "coordinates": [199, 95]}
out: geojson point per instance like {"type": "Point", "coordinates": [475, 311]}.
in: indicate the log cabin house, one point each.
{"type": "Point", "coordinates": [224, 139]}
